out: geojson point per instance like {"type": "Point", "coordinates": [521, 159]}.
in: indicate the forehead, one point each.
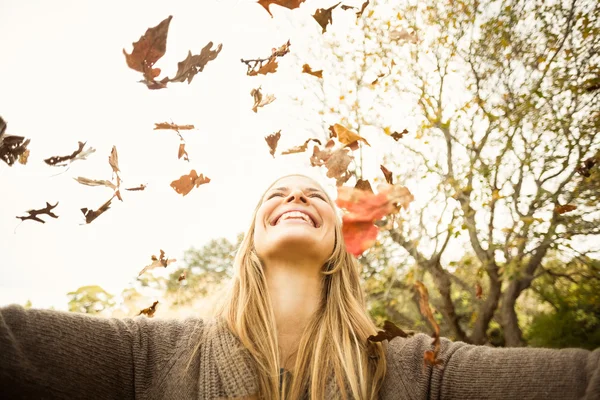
{"type": "Point", "coordinates": [296, 181]}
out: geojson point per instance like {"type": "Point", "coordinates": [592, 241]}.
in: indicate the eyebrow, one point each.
{"type": "Point", "coordinates": [308, 189]}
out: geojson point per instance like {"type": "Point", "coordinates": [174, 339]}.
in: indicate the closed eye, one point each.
{"type": "Point", "coordinates": [318, 196]}
{"type": "Point", "coordinates": [275, 195]}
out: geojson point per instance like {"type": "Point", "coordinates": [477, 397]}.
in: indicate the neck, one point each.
{"type": "Point", "coordinates": [295, 291]}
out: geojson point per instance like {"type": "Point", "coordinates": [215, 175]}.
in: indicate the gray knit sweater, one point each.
{"type": "Point", "coordinates": [58, 355]}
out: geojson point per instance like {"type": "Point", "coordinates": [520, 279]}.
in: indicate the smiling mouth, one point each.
{"type": "Point", "coordinates": [295, 215]}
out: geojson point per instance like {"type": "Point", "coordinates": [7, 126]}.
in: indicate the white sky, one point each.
{"type": "Point", "coordinates": [64, 80]}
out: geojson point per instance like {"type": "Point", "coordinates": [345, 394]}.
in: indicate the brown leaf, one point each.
{"type": "Point", "coordinates": [148, 50]}
{"type": "Point", "coordinates": [24, 157]}
{"type": "Point", "coordinates": [363, 184]}
{"type": "Point", "coordinates": [337, 166]}
{"type": "Point", "coordinates": [272, 140]}
{"type": "Point", "coordinates": [150, 310]}
{"type": "Point", "coordinates": [324, 16]}
{"type": "Point", "coordinates": [398, 135]}
{"type": "Point", "coordinates": [181, 277]}
{"type": "Point", "coordinates": [586, 166]}
{"type": "Point", "coordinates": [306, 69]}
{"type": "Point", "coordinates": [269, 67]}
{"type": "Point", "coordinates": [192, 65]}
{"type": "Point", "coordinates": [161, 261]}
{"type": "Point", "coordinates": [478, 291]}
{"type": "Point", "coordinates": [113, 160]}
{"type": "Point", "coordinates": [136, 189]}
{"type": "Point", "coordinates": [346, 136]}
{"type": "Point", "coordinates": [91, 215]}
{"type": "Point", "coordinates": [33, 214]}
{"type": "Point", "coordinates": [403, 34]}
{"type": "Point", "coordinates": [182, 152]}
{"type": "Point", "coordinates": [266, 65]}
{"type": "Point", "coordinates": [187, 182]}
{"type": "Point", "coordinates": [11, 147]}
{"type": "Point", "coordinates": [300, 149]}
{"type": "Point", "coordinates": [429, 357]}
{"type": "Point", "coordinates": [259, 100]}
{"type": "Point", "coordinates": [564, 208]}
{"type": "Point", "coordinates": [362, 8]}
{"type": "Point", "coordinates": [291, 4]}
{"type": "Point", "coordinates": [78, 154]}
{"type": "Point", "coordinates": [389, 332]}
{"type": "Point", "coordinates": [389, 178]}
{"type": "Point", "coordinates": [175, 127]}
{"type": "Point", "coordinates": [94, 182]}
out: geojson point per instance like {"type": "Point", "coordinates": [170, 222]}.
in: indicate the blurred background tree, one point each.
{"type": "Point", "coordinates": [90, 300]}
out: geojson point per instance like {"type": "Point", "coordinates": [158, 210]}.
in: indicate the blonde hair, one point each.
{"type": "Point", "coordinates": [333, 349]}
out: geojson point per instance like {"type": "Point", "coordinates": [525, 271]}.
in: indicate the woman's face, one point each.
{"type": "Point", "coordinates": [295, 218]}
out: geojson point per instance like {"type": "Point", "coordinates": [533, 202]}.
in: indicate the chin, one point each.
{"type": "Point", "coordinates": [299, 246]}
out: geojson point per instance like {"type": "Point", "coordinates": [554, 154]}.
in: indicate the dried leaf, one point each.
{"type": "Point", "coordinates": [291, 4]}
{"type": "Point", "coordinates": [24, 157]}
{"type": "Point", "coordinates": [136, 189]}
{"type": "Point", "coordinates": [187, 182]}
{"type": "Point", "coordinates": [266, 65]}
{"type": "Point", "coordinates": [389, 332]}
{"type": "Point", "coordinates": [324, 16]}
{"type": "Point", "coordinates": [113, 160]}
{"type": "Point", "coordinates": [147, 51]}
{"type": "Point", "coordinates": [182, 152]}
{"type": "Point", "coordinates": [362, 8]}
{"type": "Point", "coordinates": [585, 168]}
{"type": "Point", "coordinates": [346, 136]}
{"type": "Point", "coordinates": [33, 214]}
{"type": "Point", "coordinates": [175, 127]}
{"type": "Point", "coordinates": [395, 135]}
{"type": "Point", "coordinates": [429, 357]}
{"type": "Point", "coordinates": [181, 277]}
{"type": "Point", "coordinates": [564, 208]}
{"type": "Point", "coordinates": [478, 291]}
{"type": "Point", "coordinates": [91, 215]}
{"type": "Point", "coordinates": [60, 160]}
{"type": "Point", "coordinates": [192, 65]}
{"type": "Point", "coordinates": [306, 69]}
{"type": "Point", "coordinates": [259, 100]}
{"type": "Point", "coordinates": [363, 184]}
{"type": "Point", "coordinates": [300, 149]}
{"type": "Point", "coordinates": [363, 208]}
{"type": "Point", "coordinates": [337, 166]}
{"type": "Point", "coordinates": [94, 182]}
{"type": "Point", "coordinates": [272, 140]}
{"type": "Point", "coordinates": [389, 178]}
{"type": "Point", "coordinates": [269, 67]}
{"type": "Point", "coordinates": [150, 310]}
{"type": "Point", "coordinates": [161, 261]}
{"type": "Point", "coordinates": [403, 34]}
{"type": "Point", "coordinates": [11, 147]}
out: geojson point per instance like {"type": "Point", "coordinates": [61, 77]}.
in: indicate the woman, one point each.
{"type": "Point", "coordinates": [294, 322]}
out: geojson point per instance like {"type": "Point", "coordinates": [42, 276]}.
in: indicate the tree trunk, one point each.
{"type": "Point", "coordinates": [512, 332]}
{"type": "Point", "coordinates": [487, 309]}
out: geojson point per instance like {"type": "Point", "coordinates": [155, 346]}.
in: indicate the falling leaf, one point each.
{"type": "Point", "coordinates": [150, 310]}
{"type": "Point", "coordinates": [564, 208]}
{"type": "Point", "coordinates": [585, 168]}
{"type": "Point", "coordinates": [308, 70]}
{"type": "Point", "coordinates": [147, 51]}
{"type": "Point", "coordinates": [259, 100]}
{"type": "Point", "coordinates": [429, 357]}
{"type": "Point", "coordinates": [76, 155]}
{"type": "Point", "coordinates": [478, 291]}
{"type": "Point", "coordinates": [266, 65]}
{"type": "Point", "coordinates": [395, 135]}
{"type": "Point", "coordinates": [387, 174]}
{"type": "Point", "coordinates": [181, 277]}
{"type": "Point", "coordinates": [389, 332]}
{"type": "Point", "coordinates": [300, 149]}
{"type": "Point", "coordinates": [272, 140]}
{"type": "Point", "coordinates": [363, 184]}
{"type": "Point", "coordinates": [182, 152]}
{"type": "Point", "coordinates": [346, 136]}
{"type": "Point", "coordinates": [291, 4]}
{"type": "Point", "coordinates": [175, 127]}
{"type": "Point", "coordinates": [160, 261]}
{"type": "Point", "coordinates": [113, 160]}
{"type": "Point", "coordinates": [187, 182]}
{"type": "Point", "coordinates": [324, 16]}
{"type": "Point", "coordinates": [192, 65]}
{"type": "Point", "coordinates": [24, 157]}
{"type": "Point", "coordinates": [269, 67]}
{"type": "Point", "coordinates": [362, 8]}
{"type": "Point", "coordinates": [91, 215]}
{"type": "Point", "coordinates": [11, 147]}
{"type": "Point", "coordinates": [33, 214]}
{"type": "Point", "coordinates": [136, 189]}
{"type": "Point", "coordinates": [403, 34]}
{"type": "Point", "coordinates": [363, 208]}
{"type": "Point", "coordinates": [94, 182]}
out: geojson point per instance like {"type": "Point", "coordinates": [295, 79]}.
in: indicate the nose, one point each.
{"type": "Point", "coordinates": [297, 196]}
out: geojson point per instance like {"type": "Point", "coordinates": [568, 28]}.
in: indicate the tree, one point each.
{"type": "Point", "coordinates": [90, 300]}
{"type": "Point", "coordinates": [503, 138]}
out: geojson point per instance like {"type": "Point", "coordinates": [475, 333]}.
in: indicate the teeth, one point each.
{"type": "Point", "coordinates": [296, 214]}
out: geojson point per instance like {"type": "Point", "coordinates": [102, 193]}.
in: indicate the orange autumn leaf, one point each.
{"type": "Point", "coordinates": [260, 100]}
{"type": "Point", "coordinates": [429, 356]}
{"type": "Point", "coordinates": [172, 126]}
{"type": "Point", "coordinates": [269, 67]}
{"type": "Point", "coordinates": [306, 69]}
{"type": "Point", "coordinates": [346, 136]}
{"type": "Point", "coordinates": [291, 4]}
{"type": "Point", "coordinates": [272, 141]}
{"type": "Point", "coordinates": [389, 178]}
{"type": "Point", "coordinates": [564, 208]}
{"type": "Point", "coordinates": [323, 16]}
{"type": "Point", "coordinates": [150, 310]}
{"type": "Point", "coordinates": [478, 291]}
{"type": "Point", "coordinates": [182, 153]}
{"type": "Point", "coordinates": [186, 183]}
{"type": "Point", "coordinates": [363, 208]}
{"type": "Point", "coordinates": [301, 148]}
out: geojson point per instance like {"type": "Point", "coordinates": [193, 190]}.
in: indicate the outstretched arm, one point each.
{"type": "Point", "coordinates": [481, 372]}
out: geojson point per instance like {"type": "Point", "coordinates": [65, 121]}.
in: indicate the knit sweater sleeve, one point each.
{"type": "Point", "coordinates": [481, 372]}
{"type": "Point", "coordinates": [59, 355]}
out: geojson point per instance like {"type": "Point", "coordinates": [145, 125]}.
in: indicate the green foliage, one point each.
{"type": "Point", "coordinates": [90, 300]}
